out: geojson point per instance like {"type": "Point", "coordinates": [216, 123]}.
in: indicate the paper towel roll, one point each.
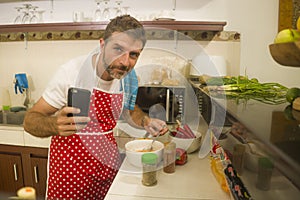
{"type": "Point", "coordinates": [208, 65]}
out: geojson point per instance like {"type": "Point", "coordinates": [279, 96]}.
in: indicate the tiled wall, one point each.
{"type": "Point", "coordinates": [40, 59]}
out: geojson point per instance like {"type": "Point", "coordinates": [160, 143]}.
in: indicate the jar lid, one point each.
{"type": "Point", "coordinates": [265, 162]}
{"type": "Point", "coordinates": [149, 158]}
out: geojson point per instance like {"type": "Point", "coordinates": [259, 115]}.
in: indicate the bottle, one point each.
{"type": "Point", "coordinates": [5, 110]}
{"type": "Point", "coordinates": [149, 165]}
{"type": "Point", "coordinates": [169, 158]}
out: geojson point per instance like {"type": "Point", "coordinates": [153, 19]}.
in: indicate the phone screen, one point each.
{"type": "Point", "coordinates": [79, 98]}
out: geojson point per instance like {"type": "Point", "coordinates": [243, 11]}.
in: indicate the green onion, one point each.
{"type": "Point", "coordinates": [242, 88]}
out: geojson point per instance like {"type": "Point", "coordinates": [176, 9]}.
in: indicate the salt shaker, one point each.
{"type": "Point", "coordinates": [149, 165]}
{"type": "Point", "coordinates": [169, 158]}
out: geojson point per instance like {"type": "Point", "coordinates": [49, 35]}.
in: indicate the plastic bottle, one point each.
{"type": "Point", "coordinates": [149, 163]}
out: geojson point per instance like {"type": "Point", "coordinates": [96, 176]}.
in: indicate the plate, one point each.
{"type": "Point", "coordinates": [165, 19]}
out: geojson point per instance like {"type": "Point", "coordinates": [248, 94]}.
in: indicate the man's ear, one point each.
{"type": "Point", "coordinates": [102, 42]}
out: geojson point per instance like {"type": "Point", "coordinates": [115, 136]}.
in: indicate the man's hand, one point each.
{"type": "Point", "coordinates": [67, 126]}
{"type": "Point", "coordinates": [155, 126]}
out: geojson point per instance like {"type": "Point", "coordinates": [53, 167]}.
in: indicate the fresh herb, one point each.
{"type": "Point", "coordinates": [242, 88]}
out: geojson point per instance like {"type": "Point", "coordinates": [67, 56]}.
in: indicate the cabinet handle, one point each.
{"type": "Point", "coordinates": [15, 172]}
{"type": "Point", "coordinates": [35, 169]}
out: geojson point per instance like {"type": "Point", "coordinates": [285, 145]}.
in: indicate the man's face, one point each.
{"type": "Point", "coordinates": [120, 54]}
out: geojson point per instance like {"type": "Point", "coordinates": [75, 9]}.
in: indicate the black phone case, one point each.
{"type": "Point", "coordinates": [79, 98]}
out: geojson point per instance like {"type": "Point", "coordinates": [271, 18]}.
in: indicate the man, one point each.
{"type": "Point", "coordinates": [83, 155]}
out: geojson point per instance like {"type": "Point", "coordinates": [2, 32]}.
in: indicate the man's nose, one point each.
{"type": "Point", "coordinates": [124, 59]}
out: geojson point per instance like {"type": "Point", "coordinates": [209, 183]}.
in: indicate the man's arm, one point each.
{"type": "Point", "coordinates": [43, 120]}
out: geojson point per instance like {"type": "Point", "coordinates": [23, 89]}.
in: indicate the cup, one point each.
{"type": "Point", "coordinates": [78, 16]}
{"type": "Point", "coordinates": [264, 174]}
{"type": "Point", "coordinates": [238, 157]}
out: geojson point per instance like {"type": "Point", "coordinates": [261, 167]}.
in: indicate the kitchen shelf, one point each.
{"type": "Point", "coordinates": [197, 30]}
{"type": "Point", "coordinates": [173, 25]}
{"type": "Point", "coordinates": [286, 54]}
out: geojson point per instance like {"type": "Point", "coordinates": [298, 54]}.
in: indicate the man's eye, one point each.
{"type": "Point", "coordinates": [134, 55]}
{"type": "Point", "coordinates": [118, 49]}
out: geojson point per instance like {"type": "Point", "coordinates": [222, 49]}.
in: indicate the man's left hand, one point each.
{"type": "Point", "coordinates": [155, 126]}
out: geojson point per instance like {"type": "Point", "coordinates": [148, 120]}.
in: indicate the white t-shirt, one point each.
{"type": "Point", "coordinates": [57, 89]}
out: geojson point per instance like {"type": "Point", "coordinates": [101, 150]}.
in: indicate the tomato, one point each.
{"type": "Point", "coordinates": [181, 156]}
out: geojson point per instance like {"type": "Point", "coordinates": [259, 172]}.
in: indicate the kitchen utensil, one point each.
{"type": "Point", "coordinates": [150, 147]}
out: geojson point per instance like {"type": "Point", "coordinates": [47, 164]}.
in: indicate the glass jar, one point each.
{"type": "Point", "coordinates": [149, 163]}
{"type": "Point", "coordinates": [169, 157]}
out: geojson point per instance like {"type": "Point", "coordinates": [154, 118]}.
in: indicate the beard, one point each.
{"type": "Point", "coordinates": [116, 72]}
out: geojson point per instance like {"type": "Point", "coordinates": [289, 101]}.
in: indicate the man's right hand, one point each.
{"type": "Point", "coordinates": [69, 125]}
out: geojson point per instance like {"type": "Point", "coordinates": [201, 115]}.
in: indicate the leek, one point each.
{"type": "Point", "coordinates": [242, 88]}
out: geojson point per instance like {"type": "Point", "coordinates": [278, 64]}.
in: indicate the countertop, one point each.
{"type": "Point", "coordinates": [272, 131]}
{"type": "Point", "coordinates": [16, 135]}
{"type": "Point", "coordinates": [270, 126]}
{"type": "Point", "coordinates": [194, 180]}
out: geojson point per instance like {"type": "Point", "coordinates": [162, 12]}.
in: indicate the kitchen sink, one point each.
{"type": "Point", "coordinates": [15, 118]}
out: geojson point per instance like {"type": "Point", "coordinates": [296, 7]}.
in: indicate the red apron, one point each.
{"type": "Point", "coordinates": [84, 165]}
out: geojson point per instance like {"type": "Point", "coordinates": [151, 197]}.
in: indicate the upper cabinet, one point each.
{"type": "Point", "coordinates": [204, 30]}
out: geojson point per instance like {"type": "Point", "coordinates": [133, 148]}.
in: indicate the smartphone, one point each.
{"type": "Point", "coordinates": [79, 98]}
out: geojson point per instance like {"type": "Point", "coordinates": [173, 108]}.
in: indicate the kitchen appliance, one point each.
{"type": "Point", "coordinates": [162, 102]}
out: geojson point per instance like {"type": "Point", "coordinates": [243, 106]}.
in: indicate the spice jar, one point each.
{"type": "Point", "coordinates": [149, 163]}
{"type": "Point", "coordinates": [169, 157]}
{"type": "Point", "coordinates": [264, 174]}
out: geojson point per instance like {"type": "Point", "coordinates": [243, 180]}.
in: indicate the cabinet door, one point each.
{"type": "Point", "coordinates": [11, 177]}
{"type": "Point", "coordinates": [39, 175]}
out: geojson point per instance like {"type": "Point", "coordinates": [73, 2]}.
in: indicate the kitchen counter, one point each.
{"type": "Point", "coordinates": [194, 180]}
{"type": "Point", "coordinates": [16, 135]}
{"type": "Point", "coordinates": [270, 131]}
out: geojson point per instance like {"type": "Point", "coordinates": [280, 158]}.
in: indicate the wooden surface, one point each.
{"type": "Point", "coordinates": [285, 14]}
{"type": "Point", "coordinates": [286, 54]}
{"type": "Point", "coordinates": [172, 25]}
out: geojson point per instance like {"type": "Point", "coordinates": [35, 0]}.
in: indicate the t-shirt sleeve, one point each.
{"type": "Point", "coordinates": [56, 91]}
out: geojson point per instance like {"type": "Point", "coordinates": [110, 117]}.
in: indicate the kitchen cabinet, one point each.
{"type": "Point", "coordinates": [23, 166]}
{"type": "Point", "coordinates": [11, 173]}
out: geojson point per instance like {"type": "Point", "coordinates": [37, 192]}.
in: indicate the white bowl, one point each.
{"type": "Point", "coordinates": [134, 150]}
{"type": "Point", "coordinates": [188, 144]}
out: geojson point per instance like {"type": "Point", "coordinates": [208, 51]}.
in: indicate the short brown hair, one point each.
{"type": "Point", "coordinates": [126, 23]}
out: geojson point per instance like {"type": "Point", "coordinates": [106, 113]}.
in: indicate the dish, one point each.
{"type": "Point", "coordinates": [134, 150]}
{"type": "Point", "coordinates": [165, 19]}
{"type": "Point", "coordinates": [188, 144]}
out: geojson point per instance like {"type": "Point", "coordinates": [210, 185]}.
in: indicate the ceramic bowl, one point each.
{"type": "Point", "coordinates": [188, 144]}
{"type": "Point", "coordinates": [135, 150]}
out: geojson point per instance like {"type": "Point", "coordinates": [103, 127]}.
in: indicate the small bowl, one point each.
{"type": "Point", "coordinates": [134, 150]}
{"type": "Point", "coordinates": [188, 144]}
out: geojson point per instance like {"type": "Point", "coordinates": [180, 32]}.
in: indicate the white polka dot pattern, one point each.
{"type": "Point", "coordinates": [83, 166]}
